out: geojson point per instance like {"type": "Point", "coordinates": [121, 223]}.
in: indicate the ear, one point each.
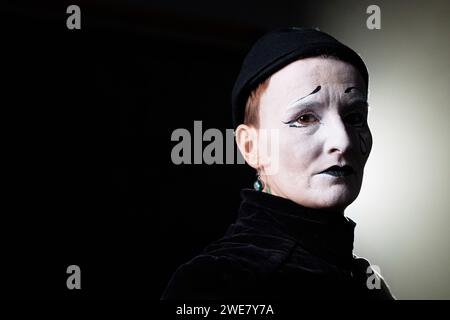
{"type": "Point", "coordinates": [247, 142]}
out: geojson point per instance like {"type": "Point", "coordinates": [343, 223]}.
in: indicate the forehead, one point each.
{"type": "Point", "coordinates": [302, 76]}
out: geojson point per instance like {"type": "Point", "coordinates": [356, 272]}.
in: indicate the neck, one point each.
{"type": "Point", "coordinates": [337, 209]}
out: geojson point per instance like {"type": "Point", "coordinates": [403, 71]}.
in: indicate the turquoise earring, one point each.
{"type": "Point", "coordinates": [258, 185]}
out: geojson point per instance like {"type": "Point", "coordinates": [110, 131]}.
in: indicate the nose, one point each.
{"type": "Point", "coordinates": [337, 137]}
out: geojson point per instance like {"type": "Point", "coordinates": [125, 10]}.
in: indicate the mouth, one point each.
{"type": "Point", "coordinates": [337, 171]}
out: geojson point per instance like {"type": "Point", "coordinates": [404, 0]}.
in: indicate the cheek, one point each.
{"type": "Point", "coordinates": [297, 153]}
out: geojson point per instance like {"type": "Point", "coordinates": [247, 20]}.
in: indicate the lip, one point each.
{"type": "Point", "coordinates": [339, 171]}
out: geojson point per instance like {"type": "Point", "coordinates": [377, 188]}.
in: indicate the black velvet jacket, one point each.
{"type": "Point", "coordinates": [278, 249]}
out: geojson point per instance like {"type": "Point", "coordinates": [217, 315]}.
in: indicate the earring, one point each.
{"type": "Point", "coordinates": [258, 185]}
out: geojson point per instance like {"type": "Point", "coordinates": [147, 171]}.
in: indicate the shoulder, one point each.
{"type": "Point", "coordinates": [206, 277]}
{"type": "Point", "coordinates": [230, 267]}
{"type": "Point", "coordinates": [261, 253]}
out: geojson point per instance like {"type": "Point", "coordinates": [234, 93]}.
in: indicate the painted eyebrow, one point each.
{"type": "Point", "coordinates": [349, 89]}
{"type": "Point", "coordinates": [317, 89]}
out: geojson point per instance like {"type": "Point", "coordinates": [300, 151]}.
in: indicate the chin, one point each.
{"type": "Point", "coordinates": [331, 199]}
{"type": "Point", "coordinates": [337, 200]}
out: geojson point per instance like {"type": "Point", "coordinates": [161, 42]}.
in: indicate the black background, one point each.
{"type": "Point", "coordinates": [87, 122]}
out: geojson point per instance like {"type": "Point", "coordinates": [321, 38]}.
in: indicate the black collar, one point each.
{"type": "Point", "coordinates": [328, 234]}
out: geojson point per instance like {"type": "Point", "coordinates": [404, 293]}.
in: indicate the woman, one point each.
{"type": "Point", "coordinates": [300, 115]}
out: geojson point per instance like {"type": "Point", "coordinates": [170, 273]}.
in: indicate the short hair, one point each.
{"type": "Point", "coordinates": [251, 116]}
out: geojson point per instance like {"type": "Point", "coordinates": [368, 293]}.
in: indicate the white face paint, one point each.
{"type": "Point", "coordinates": [319, 107]}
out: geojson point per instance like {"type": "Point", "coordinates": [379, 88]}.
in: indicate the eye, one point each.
{"type": "Point", "coordinates": [355, 119]}
{"type": "Point", "coordinates": [306, 119]}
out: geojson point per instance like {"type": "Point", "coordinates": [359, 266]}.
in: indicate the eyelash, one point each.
{"type": "Point", "coordinates": [293, 122]}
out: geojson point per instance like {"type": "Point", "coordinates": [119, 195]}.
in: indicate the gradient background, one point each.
{"type": "Point", "coordinates": [89, 115]}
{"type": "Point", "coordinates": [403, 211]}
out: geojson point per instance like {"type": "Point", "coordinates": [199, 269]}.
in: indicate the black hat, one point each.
{"type": "Point", "coordinates": [277, 49]}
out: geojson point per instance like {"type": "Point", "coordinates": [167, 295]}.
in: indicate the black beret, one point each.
{"type": "Point", "coordinates": [277, 49]}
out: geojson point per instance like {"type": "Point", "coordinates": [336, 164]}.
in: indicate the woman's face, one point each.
{"type": "Point", "coordinates": [319, 108]}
